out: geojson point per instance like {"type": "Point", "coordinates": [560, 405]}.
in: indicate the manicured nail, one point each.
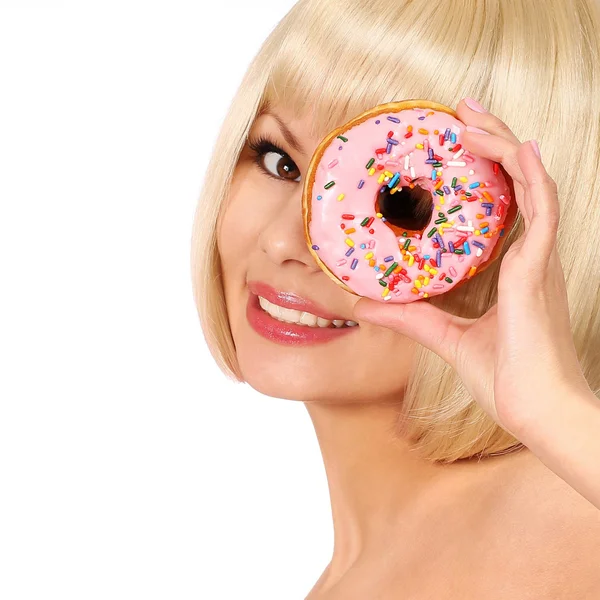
{"type": "Point", "coordinates": [476, 130]}
{"type": "Point", "coordinates": [474, 105]}
{"type": "Point", "coordinates": [536, 148]}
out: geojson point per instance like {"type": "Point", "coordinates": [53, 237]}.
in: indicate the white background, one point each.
{"type": "Point", "coordinates": [130, 467]}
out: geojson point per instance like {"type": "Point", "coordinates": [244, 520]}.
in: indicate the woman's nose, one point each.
{"type": "Point", "coordinates": [283, 237]}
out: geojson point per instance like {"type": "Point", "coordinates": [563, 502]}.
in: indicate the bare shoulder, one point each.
{"type": "Point", "coordinates": [553, 534]}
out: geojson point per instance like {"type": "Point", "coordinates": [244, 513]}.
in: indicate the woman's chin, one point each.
{"type": "Point", "coordinates": [279, 378]}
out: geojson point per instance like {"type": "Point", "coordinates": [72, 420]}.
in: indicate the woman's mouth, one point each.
{"type": "Point", "coordinates": [291, 324]}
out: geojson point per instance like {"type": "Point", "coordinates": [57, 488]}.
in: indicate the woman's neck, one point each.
{"type": "Point", "coordinates": [378, 486]}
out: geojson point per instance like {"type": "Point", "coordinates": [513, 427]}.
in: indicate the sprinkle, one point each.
{"type": "Point", "coordinates": [366, 222]}
{"type": "Point", "coordinates": [485, 230]}
{"type": "Point", "coordinates": [332, 163]}
{"type": "Point", "coordinates": [423, 131]}
{"type": "Point", "coordinates": [350, 242]}
{"type": "Point", "coordinates": [341, 137]}
{"type": "Point", "coordinates": [341, 197]}
{"type": "Point", "coordinates": [394, 180]}
{"type": "Point", "coordinates": [347, 216]}
{"type": "Point", "coordinates": [472, 271]}
{"type": "Point", "coordinates": [392, 141]}
{"type": "Point", "coordinates": [319, 197]}
{"type": "Point", "coordinates": [330, 184]}
{"type": "Point", "coordinates": [393, 119]}
{"type": "Point", "coordinates": [390, 269]}
{"type": "Point", "coordinates": [388, 258]}
{"type": "Point", "coordinates": [431, 232]}
{"type": "Point", "coordinates": [454, 209]}
{"type": "Point", "coordinates": [361, 183]}
{"type": "Point", "coordinates": [351, 230]}
{"type": "Point", "coordinates": [368, 255]}
{"type": "Point", "coordinates": [478, 244]}
{"type": "Point", "coordinates": [474, 185]}
{"type": "Point", "coordinates": [467, 248]}
{"type": "Point", "coordinates": [456, 163]}
{"type": "Point", "coordinates": [354, 263]}
{"type": "Point", "coordinates": [350, 251]}
{"type": "Point", "coordinates": [315, 247]}
{"type": "Point", "coordinates": [370, 163]}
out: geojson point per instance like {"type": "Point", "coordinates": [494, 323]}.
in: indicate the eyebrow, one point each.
{"type": "Point", "coordinates": [289, 137]}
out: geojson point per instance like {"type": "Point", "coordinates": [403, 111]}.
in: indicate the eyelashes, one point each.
{"type": "Point", "coordinates": [262, 146]}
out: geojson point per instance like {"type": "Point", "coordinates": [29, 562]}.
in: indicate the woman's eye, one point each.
{"type": "Point", "coordinates": [281, 165]}
{"type": "Point", "coordinates": [272, 160]}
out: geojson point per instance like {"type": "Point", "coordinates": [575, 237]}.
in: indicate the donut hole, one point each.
{"type": "Point", "coordinates": [408, 210]}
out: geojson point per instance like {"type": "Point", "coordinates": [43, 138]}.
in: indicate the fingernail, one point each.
{"type": "Point", "coordinates": [476, 130]}
{"type": "Point", "coordinates": [474, 105]}
{"type": "Point", "coordinates": [536, 148]}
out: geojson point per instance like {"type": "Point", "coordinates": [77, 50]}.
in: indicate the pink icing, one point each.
{"type": "Point", "coordinates": [344, 162]}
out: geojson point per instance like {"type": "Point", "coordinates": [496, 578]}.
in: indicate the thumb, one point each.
{"type": "Point", "coordinates": [419, 320]}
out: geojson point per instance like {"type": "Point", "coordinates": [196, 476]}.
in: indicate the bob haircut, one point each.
{"type": "Point", "coordinates": [533, 63]}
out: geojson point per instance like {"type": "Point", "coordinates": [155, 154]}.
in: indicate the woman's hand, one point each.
{"type": "Point", "coordinates": [520, 353]}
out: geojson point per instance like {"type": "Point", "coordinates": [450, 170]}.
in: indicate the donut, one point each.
{"type": "Point", "coordinates": [395, 209]}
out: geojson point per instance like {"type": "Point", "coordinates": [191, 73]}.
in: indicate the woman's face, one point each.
{"type": "Point", "coordinates": [264, 254]}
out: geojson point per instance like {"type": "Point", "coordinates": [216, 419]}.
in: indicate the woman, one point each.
{"type": "Point", "coordinates": [460, 465]}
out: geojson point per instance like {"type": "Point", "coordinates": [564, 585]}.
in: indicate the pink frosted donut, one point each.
{"type": "Point", "coordinates": [395, 209]}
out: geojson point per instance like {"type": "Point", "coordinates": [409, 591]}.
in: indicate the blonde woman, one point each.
{"type": "Point", "coordinates": [460, 465]}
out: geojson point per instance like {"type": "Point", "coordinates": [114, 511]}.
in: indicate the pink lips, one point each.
{"type": "Point", "coordinates": [290, 300]}
{"type": "Point", "coordinates": [288, 333]}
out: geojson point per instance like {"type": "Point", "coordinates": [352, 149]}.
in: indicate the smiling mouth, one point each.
{"type": "Point", "coordinates": [299, 317]}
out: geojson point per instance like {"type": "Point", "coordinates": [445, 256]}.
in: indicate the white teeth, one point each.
{"type": "Point", "coordinates": [308, 319]}
{"type": "Point", "coordinates": [263, 302]}
{"type": "Point", "coordinates": [289, 315]}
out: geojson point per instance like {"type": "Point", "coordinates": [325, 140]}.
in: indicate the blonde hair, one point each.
{"type": "Point", "coordinates": [533, 63]}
